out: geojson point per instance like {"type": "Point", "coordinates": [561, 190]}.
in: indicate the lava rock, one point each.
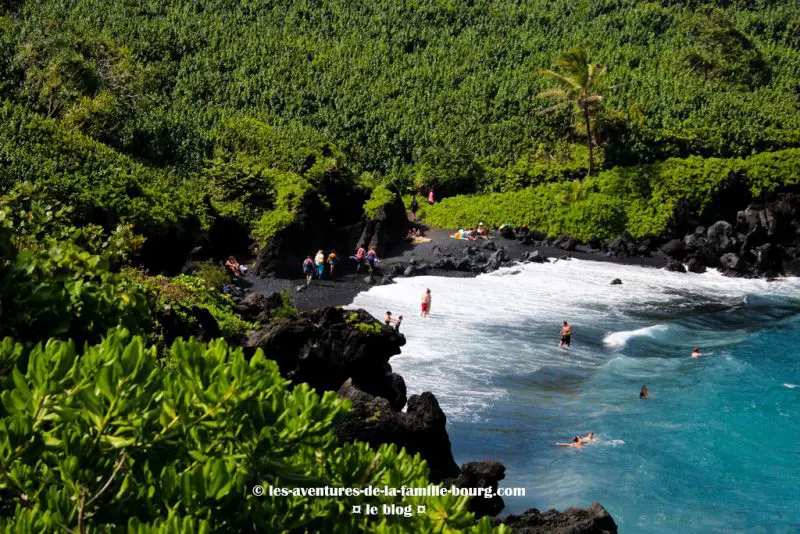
{"type": "Point", "coordinates": [693, 265]}
{"type": "Point", "coordinates": [720, 237]}
{"type": "Point", "coordinates": [675, 248]}
{"type": "Point", "coordinates": [675, 266]}
{"type": "Point", "coordinates": [768, 260]}
{"type": "Point", "coordinates": [565, 242]}
{"type": "Point", "coordinates": [326, 347]}
{"type": "Point", "coordinates": [420, 429]}
{"type": "Point", "coordinates": [486, 474]}
{"type": "Point", "coordinates": [257, 307]}
{"type": "Point", "coordinates": [621, 246]}
{"type": "Point", "coordinates": [732, 264]}
{"type": "Point", "coordinates": [616, 282]}
{"type": "Point", "coordinates": [496, 260]}
{"type": "Point", "coordinates": [592, 520]}
{"type": "Point", "coordinates": [534, 257]}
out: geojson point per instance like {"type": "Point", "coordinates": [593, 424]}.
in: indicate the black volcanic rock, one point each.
{"type": "Point", "coordinates": [421, 429]}
{"type": "Point", "coordinates": [720, 237]}
{"type": "Point", "coordinates": [592, 520]}
{"type": "Point", "coordinates": [675, 248]}
{"type": "Point", "coordinates": [675, 266]}
{"type": "Point", "coordinates": [326, 347]}
{"type": "Point", "coordinates": [486, 474]}
{"type": "Point", "coordinates": [694, 266]}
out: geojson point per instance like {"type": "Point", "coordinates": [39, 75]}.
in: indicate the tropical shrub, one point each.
{"type": "Point", "coordinates": [639, 199]}
{"type": "Point", "coordinates": [105, 439]}
{"type": "Point", "coordinates": [379, 198]}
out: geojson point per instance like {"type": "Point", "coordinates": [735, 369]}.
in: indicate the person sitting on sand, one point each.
{"type": "Point", "coordinates": [410, 235]}
{"type": "Point", "coordinates": [308, 269]}
{"type": "Point", "coordinates": [566, 335]}
{"type": "Point", "coordinates": [643, 393]}
{"type": "Point", "coordinates": [696, 353]}
{"type": "Point", "coordinates": [234, 266]}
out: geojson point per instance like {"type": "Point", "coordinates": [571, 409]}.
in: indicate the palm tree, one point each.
{"type": "Point", "coordinates": [577, 87]}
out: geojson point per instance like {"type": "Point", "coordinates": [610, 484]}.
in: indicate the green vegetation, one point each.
{"type": "Point", "coordinates": [380, 197]}
{"type": "Point", "coordinates": [577, 88]}
{"type": "Point", "coordinates": [640, 199]}
{"type": "Point", "coordinates": [104, 438]}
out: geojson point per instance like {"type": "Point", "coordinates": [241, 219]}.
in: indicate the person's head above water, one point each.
{"type": "Point", "coordinates": [566, 323]}
{"type": "Point", "coordinates": [388, 313]}
{"type": "Point", "coordinates": [428, 290]}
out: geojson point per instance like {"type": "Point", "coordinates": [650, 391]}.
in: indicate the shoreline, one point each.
{"type": "Point", "coordinates": [343, 290]}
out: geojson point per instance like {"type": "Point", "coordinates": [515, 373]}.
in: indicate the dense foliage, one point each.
{"type": "Point", "coordinates": [394, 83]}
{"type": "Point", "coordinates": [640, 199]}
{"type": "Point", "coordinates": [105, 437]}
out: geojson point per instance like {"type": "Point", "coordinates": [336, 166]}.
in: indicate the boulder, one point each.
{"type": "Point", "coordinates": [594, 243]}
{"type": "Point", "coordinates": [720, 237]}
{"type": "Point", "coordinates": [410, 270]}
{"type": "Point", "coordinates": [534, 257]}
{"type": "Point", "coordinates": [621, 246]}
{"type": "Point", "coordinates": [592, 520]}
{"type": "Point", "coordinates": [485, 474]}
{"type": "Point", "coordinates": [566, 242]}
{"type": "Point", "coordinates": [731, 263]}
{"type": "Point", "coordinates": [496, 260]}
{"type": "Point", "coordinates": [693, 265]}
{"type": "Point", "coordinates": [507, 232]}
{"type": "Point", "coordinates": [489, 245]}
{"type": "Point", "coordinates": [675, 248]}
{"type": "Point", "coordinates": [768, 260]}
{"type": "Point", "coordinates": [675, 266]}
{"type": "Point", "coordinates": [420, 429]}
{"type": "Point", "coordinates": [257, 307]}
{"type": "Point", "coordinates": [616, 282]}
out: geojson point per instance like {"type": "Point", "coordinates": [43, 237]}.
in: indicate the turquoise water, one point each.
{"type": "Point", "coordinates": [714, 449]}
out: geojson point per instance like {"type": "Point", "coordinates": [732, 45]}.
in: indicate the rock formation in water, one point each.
{"type": "Point", "coordinates": [592, 520]}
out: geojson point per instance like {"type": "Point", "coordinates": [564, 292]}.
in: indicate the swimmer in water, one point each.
{"type": "Point", "coordinates": [643, 393]}
{"type": "Point", "coordinates": [696, 353]}
{"type": "Point", "coordinates": [578, 441]}
{"type": "Point", "coordinates": [566, 335]}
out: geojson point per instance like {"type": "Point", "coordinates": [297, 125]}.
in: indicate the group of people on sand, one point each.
{"type": "Point", "coordinates": [315, 267]}
{"type": "Point", "coordinates": [480, 232]}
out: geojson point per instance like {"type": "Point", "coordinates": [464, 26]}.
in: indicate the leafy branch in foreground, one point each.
{"type": "Point", "coordinates": [109, 440]}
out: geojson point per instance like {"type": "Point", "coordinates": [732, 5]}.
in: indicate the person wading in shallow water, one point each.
{"type": "Point", "coordinates": [566, 335]}
{"type": "Point", "coordinates": [426, 303]}
{"type": "Point", "coordinates": [643, 393]}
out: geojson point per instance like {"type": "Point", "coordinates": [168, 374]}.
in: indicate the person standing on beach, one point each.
{"type": "Point", "coordinates": [397, 323]}
{"type": "Point", "coordinates": [319, 260]}
{"type": "Point", "coordinates": [414, 207]}
{"type": "Point", "coordinates": [360, 258]}
{"type": "Point", "coordinates": [372, 259]}
{"type": "Point", "coordinates": [388, 319]}
{"type": "Point", "coordinates": [430, 197]}
{"type": "Point", "coordinates": [308, 269]}
{"type": "Point", "coordinates": [426, 303]}
{"type": "Point", "coordinates": [332, 261]}
{"type": "Point", "coordinates": [566, 335]}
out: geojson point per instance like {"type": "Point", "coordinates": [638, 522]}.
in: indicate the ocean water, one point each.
{"type": "Point", "coordinates": [714, 449]}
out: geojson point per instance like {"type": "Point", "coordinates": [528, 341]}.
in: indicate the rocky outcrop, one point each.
{"type": "Point", "coordinates": [420, 429]}
{"type": "Point", "coordinates": [485, 474]}
{"type": "Point", "coordinates": [592, 520]}
{"type": "Point", "coordinates": [388, 228]}
{"type": "Point", "coordinates": [257, 307]}
{"type": "Point", "coordinates": [763, 238]}
{"type": "Point", "coordinates": [326, 347]}
{"type": "Point", "coordinates": [181, 321]}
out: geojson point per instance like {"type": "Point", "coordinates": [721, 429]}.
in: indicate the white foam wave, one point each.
{"type": "Point", "coordinates": [613, 442]}
{"type": "Point", "coordinates": [483, 330]}
{"type": "Point", "coordinates": [620, 339]}
{"type": "Point", "coordinates": [790, 386]}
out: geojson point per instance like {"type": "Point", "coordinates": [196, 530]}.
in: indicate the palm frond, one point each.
{"type": "Point", "coordinates": [561, 105]}
{"type": "Point", "coordinates": [564, 81]}
{"type": "Point", "coordinates": [554, 92]}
